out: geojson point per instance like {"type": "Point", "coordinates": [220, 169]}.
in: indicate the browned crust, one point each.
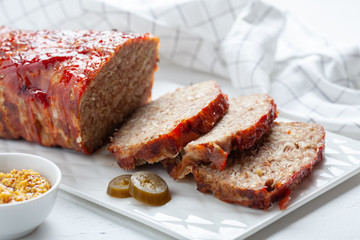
{"type": "Point", "coordinates": [170, 144]}
{"type": "Point", "coordinates": [217, 154]}
{"type": "Point", "coordinates": [46, 72]}
{"type": "Point", "coordinates": [261, 198]}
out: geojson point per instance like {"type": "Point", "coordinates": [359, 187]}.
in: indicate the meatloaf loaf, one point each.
{"type": "Point", "coordinates": [268, 171]}
{"type": "Point", "coordinates": [163, 127]}
{"type": "Point", "coordinates": [248, 118]}
{"type": "Point", "coordinates": [72, 88]}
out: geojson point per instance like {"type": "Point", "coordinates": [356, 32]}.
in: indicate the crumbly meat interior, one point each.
{"type": "Point", "coordinates": [161, 116]}
{"type": "Point", "coordinates": [248, 118]}
{"type": "Point", "coordinates": [121, 86]}
{"type": "Point", "coordinates": [244, 112]}
{"type": "Point", "coordinates": [286, 150]}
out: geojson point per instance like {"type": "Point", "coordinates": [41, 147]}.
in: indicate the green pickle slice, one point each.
{"type": "Point", "coordinates": [149, 188]}
{"type": "Point", "coordinates": [119, 186]}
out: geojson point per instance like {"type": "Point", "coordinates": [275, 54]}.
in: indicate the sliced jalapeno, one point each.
{"type": "Point", "coordinates": [119, 186]}
{"type": "Point", "coordinates": [149, 188]}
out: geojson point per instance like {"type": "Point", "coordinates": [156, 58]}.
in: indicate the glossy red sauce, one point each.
{"type": "Point", "coordinates": [31, 61]}
{"type": "Point", "coordinates": [43, 75]}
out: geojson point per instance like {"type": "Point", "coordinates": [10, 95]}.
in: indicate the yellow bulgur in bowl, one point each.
{"type": "Point", "coordinates": [20, 185]}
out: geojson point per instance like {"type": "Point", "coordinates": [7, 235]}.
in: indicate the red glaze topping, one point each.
{"type": "Point", "coordinates": [50, 70]}
{"type": "Point", "coordinates": [75, 55]}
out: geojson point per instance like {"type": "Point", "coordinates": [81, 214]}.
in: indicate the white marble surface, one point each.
{"type": "Point", "coordinates": [76, 218]}
{"type": "Point", "coordinates": [333, 215]}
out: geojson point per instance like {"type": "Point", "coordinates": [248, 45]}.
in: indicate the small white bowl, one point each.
{"type": "Point", "coordinates": [21, 218]}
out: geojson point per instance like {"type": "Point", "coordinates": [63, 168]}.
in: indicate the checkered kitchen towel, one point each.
{"type": "Point", "coordinates": [257, 47]}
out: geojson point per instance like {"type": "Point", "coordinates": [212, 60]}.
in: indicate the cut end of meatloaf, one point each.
{"type": "Point", "coordinates": [268, 171]}
{"type": "Point", "coordinates": [122, 85]}
{"type": "Point", "coordinates": [248, 119]}
{"type": "Point", "coordinates": [163, 127]}
{"type": "Point", "coordinates": [72, 88]}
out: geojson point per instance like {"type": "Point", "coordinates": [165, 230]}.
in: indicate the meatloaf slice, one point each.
{"type": "Point", "coordinates": [72, 88]}
{"type": "Point", "coordinates": [163, 127]}
{"type": "Point", "coordinates": [248, 118]}
{"type": "Point", "coordinates": [267, 172]}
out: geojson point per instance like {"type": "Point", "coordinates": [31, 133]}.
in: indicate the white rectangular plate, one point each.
{"type": "Point", "coordinates": [191, 214]}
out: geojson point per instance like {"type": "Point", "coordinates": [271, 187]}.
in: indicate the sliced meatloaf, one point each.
{"type": "Point", "coordinates": [72, 88]}
{"type": "Point", "coordinates": [248, 118]}
{"type": "Point", "coordinates": [268, 171]}
{"type": "Point", "coordinates": [163, 127]}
